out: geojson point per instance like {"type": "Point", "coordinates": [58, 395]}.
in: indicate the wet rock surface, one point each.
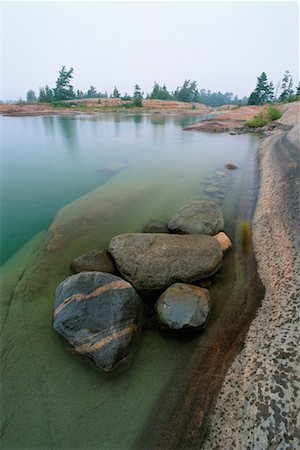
{"type": "Point", "coordinates": [100, 315]}
{"type": "Point", "coordinates": [97, 260]}
{"type": "Point", "coordinates": [155, 261]}
{"type": "Point", "coordinates": [258, 406]}
{"type": "Point", "coordinates": [183, 307]}
{"type": "Point", "coordinates": [200, 217]}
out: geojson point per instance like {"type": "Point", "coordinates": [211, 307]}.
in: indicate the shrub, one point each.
{"type": "Point", "coordinates": [274, 113]}
{"type": "Point", "coordinates": [257, 122]}
{"type": "Point", "coordinates": [266, 116]}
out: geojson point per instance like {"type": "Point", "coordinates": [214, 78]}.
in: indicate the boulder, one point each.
{"type": "Point", "coordinates": [97, 260]}
{"type": "Point", "coordinates": [183, 307]}
{"type": "Point", "coordinates": [200, 217]}
{"type": "Point", "coordinates": [224, 242]}
{"type": "Point", "coordinates": [155, 226]}
{"type": "Point", "coordinates": [230, 166]}
{"type": "Point", "coordinates": [101, 317]}
{"type": "Point", "coordinates": [154, 261]}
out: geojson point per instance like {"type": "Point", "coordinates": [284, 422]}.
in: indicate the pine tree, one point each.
{"type": "Point", "coordinates": [92, 92]}
{"type": "Point", "coordinates": [45, 95]}
{"type": "Point", "coordinates": [30, 96]}
{"type": "Point", "coordinates": [286, 86]}
{"type": "Point", "coordinates": [116, 93]}
{"type": "Point", "coordinates": [137, 96]}
{"type": "Point", "coordinates": [263, 93]}
{"type": "Point", "coordinates": [64, 90]}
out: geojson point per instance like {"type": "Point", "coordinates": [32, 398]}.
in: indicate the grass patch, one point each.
{"type": "Point", "coordinates": [263, 118]}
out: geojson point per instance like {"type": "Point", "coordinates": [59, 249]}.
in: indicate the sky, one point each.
{"type": "Point", "coordinates": [223, 45]}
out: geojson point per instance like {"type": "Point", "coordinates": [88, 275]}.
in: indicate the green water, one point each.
{"type": "Point", "coordinates": [51, 399]}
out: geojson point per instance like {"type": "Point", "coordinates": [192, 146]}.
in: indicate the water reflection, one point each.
{"type": "Point", "coordinates": [49, 125]}
{"type": "Point", "coordinates": [68, 127]}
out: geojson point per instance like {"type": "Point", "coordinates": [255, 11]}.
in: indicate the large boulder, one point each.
{"type": "Point", "coordinates": [155, 261]}
{"type": "Point", "coordinates": [97, 260]}
{"type": "Point", "coordinates": [200, 217]}
{"type": "Point", "coordinates": [183, 307]}
{"type": "Point", "coordinates": [100, 315]}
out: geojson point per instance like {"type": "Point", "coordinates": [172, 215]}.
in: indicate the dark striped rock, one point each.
{"type": "Point", "coordinates": [155, 261]}
{"type": "Point", "coordinates": [101, 317]}
{"type": "Point", "coordinates": [97, 260]}
{"type": "Point", "coordinates": [183, 307]}
{"type": "Point", "coordinates": [200, 217]}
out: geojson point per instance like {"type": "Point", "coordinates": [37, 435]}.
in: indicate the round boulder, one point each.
{"type": "Point", "coordinates": [183, 307]}
{"type": "Point", "coordinates": [200, 217]}
{"type": "Point", "coordinates": [101, 317]}
{"type": "Point", "coordinates": [154, 261]}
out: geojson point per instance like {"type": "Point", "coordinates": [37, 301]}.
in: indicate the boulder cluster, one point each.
{"type": "Point", "coordinates": [100, 309]}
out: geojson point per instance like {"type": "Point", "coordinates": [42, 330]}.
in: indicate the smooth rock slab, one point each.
{"type": "Point", "coordinates": [155, 261]}
{"type": "Point", "coordinates": [200, 217]}
{"type": "Point", "coordinates": [183, 307]}
{"type": "Point", "coordinates": [101, 317]}
{"type": "Point", "coordinates": [97, 260]}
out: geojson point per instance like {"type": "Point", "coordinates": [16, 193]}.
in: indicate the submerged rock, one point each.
{"type": "Point", "coordinates": [155, 226]}
{"type": "Point", "coordinates": [155, 261]}
{"type": "Point", "coordinates": [97, 260]}
{"type": "Point", "coordinates": [231, 166]}
{"type": "Point", "coordinates": [224, 242]}
{"type": "Point", "coordinates": [183, 307]}
{"type": "Point", "coordinates": [200, 217]}
{"type": "Point", "coordinates": [101, 317]}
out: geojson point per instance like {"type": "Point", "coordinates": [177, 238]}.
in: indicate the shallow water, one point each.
{"type": "Point", "coordinates": [47, 162]}
{"type": "Point", "coordinates": [50, 398]}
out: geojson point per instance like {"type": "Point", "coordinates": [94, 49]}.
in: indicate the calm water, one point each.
{"type": "Point", "coordinates": [49, 161]}
{"type": "Point", "coordinates": [138, 168]}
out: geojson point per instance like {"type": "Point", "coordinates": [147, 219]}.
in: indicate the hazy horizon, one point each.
{"type": "Point", "coordinates": [224, 46]}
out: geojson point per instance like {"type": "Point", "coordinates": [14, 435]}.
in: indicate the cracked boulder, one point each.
{"type": "Point", "coordinates": [101, 316]}
{"type": "Point", "coordinates": [200, 217]}
{"type": "Point", "coordinates": [154, 261]}
{"type": "Point", "coordinates": [183, 307]}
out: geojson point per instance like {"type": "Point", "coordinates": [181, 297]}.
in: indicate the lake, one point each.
{"type": "Point", "coordinates": [69, 184]}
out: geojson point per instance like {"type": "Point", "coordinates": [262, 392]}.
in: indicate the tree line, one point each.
{"type": "Point", "coordinates": [188, 92]}
{"type": "Point", "coordinates": [264, 91]}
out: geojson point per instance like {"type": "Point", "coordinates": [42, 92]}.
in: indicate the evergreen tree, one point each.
{"type": "Point", "coordinates": [92, 92]}
{"type": "Point", "coordinates": [79, 94]}
{"type": "Point", "coordinates": [188, 92]}
{"type": "Point", "coordinates": [116, 93]}
{"type": "Point", "coordinates": [298, 89]}
{"type": "Point", "coordinates": [286, 86]}
{"type": "Point", "coordinates": [137, 96]}
{"type": "Point", "coordinates": [263, 92]}
{"type": "Point", "coordinates": [30, 96]}
{"type": "Point", "coordinates": [160, 92]}
{"type": "Point", "coordinates": [45, 95]}
{"type": "Point", "coordinates": [64, 90]}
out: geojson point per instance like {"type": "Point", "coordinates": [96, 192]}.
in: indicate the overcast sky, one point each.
{"type": "Point", "coordinates": [222, 45]}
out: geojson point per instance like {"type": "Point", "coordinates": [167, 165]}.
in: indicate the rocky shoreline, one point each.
{"type": "Point", "coordinates": [258, 406]}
